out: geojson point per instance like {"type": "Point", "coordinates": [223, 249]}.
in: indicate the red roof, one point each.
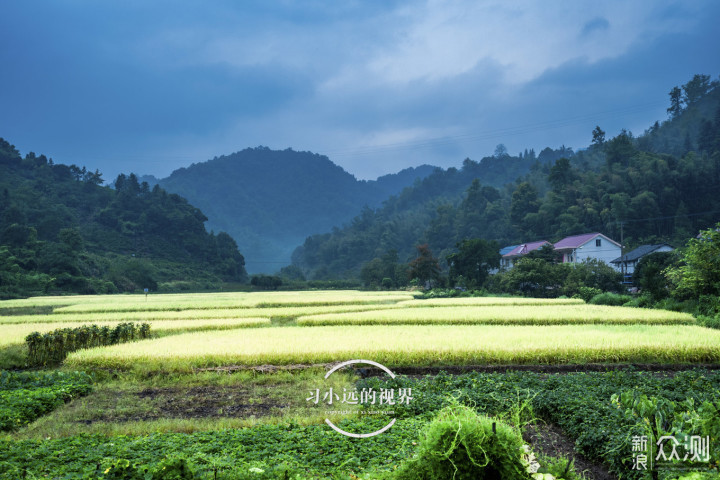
{"type": "Point", "coordinates": [526, 248]}
{"type": "Point", "coordinates": [577, 240]}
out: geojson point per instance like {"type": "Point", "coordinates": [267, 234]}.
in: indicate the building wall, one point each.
{"type": "Point", "coordinates": [606, 252]}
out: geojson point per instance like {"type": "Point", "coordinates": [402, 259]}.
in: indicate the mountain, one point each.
{"type": "Point", "coordinates": [270, 200]}
{"type": "Point", "coordinates": [61, 231]}
{"type": "Point", "coordinates": [403, 219]}
{"type": "Point", "coordinates": [659, 187]}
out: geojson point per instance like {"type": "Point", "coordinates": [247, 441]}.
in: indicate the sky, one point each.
{"type": "Point", "coordinates": [376, 85]}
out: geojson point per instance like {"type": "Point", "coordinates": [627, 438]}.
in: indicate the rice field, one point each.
{"type": "Point", "coordinates": [521, 314]}
{"type": "Point", "coordinates": [406, 345]}
{"type": "Point", "coordinates": [183, 301]}
{"type": "Point", "coordinates": [199, 330]}
{"type": "Point", "coordinates": [191, 314]}
{"type": "Point", "coordinates": [15, 333]}
{"type": "Point", "coordinates": [488, 301]}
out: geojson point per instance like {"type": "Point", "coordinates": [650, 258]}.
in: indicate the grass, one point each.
{"type": "Point", "coordinates": [12, 334]}
{"type": "Point", "coordinates": [503, 315]}
{"type": "Point", "coordinates": [396, 345]}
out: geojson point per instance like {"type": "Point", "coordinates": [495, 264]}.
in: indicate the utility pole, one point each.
{"type": "Point", "coordinates": [622, 243]}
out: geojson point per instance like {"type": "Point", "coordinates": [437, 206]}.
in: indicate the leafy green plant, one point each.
{"type": "Point", "coordinates": [27, 396]}
{"type": "Point", "coordinates": [460, 444]}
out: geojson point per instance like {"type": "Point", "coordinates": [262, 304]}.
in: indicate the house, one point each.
{"type": "Point", "coordinates": [503, 251]}
{"type": "Point", "coordinates": [509, 259]}
{"type": "Point", "coordinates": [578, 248]}
{"type": "Point", "coordinates": [629, 261]}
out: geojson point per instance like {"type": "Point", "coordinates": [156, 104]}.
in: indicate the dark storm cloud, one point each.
{"type": "Point", "coordinates": [153, 86]}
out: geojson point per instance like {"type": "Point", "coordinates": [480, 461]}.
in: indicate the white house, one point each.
{"type": "Point", "coordinates": [629, 261]}
{"type": "Point", "coordinates": [578, 248]}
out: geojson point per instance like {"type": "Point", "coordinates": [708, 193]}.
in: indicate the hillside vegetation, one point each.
{"type": "Point", "coordinates": [270, 200]}
{"type": "Point", "coordinates": [61, 231]}
{"type": "Point", "coordinates": [660, 186]}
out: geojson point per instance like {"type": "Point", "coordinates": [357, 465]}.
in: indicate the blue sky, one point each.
{"type": "Point", "coordinates": [376, 85]}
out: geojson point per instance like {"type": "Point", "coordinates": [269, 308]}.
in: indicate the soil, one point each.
{"type": "Point", "coordinates": [548, 439]}
{"type": "Point", "coordinates": [200, 402]}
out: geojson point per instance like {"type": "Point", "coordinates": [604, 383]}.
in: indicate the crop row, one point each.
{"type": "Point", "coordinates": [503, 315]}
{"type": "Point", "coordinates": [413, 345]}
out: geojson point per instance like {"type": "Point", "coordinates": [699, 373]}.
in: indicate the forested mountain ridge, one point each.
{"type": "Point", "coordinates": [657, 187]}
{"type": "Point", "coordinates": [270, 200]}
{"type": "Point", "coordinates": [61, 231]}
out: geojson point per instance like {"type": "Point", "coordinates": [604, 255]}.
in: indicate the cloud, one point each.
{"type": "Point", "coordinates": [152, 86]}
{"type": "Point", "coordinates": [595, 25]}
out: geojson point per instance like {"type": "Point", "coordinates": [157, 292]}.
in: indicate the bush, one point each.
{"type": "Point", "coordinates": [266, 282]}
{"type": "Point", "coordinates": [587, 293]}
{"type": "Point", "coordinates": [460, 444]}
{"type": "Point", "coordinates": [608, 298]}
{"type": "Point", "coordinates": [709, 322]}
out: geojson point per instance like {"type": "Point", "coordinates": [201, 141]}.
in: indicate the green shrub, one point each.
{"type": "Point", "coordinates": [608, 298]}
{"type": "Point", "coordinates": [709, 322]}
{"type": "Point", "coordinates": [587, 293]}
{"type": "Point", "coordinates": [461, 444]}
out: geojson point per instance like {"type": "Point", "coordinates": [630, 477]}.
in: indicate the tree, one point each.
{"type": "Point", "coordinates": [706, 137]}
{"type": "Point", "coordinates": [598, 136]}
{"type": "Point", "coordinates": [649, 274]}
{"type": "Point", "coordinates": [534, 277]}
{"type": "Point", "coordinates": [620, 148]}
{"type": "Point", "coordinates": [561, 174]}
{"type": "Point", "coordinates": [266, 282]}
{"type": "Point", "coordinates": [547, 253]}
{"type": "Point", "coordinates": [697, 88]}
{"type": "Point", "coordinates": [474, 260]}
{"type": "Point", "coordinates": [501, 151]}
{"type": "Point", "coordinates": [699, 272]}
{"type": "Point", "coordinates": [524, 200]}
{"type": "Point", "coordinates": [372, 273]}
{"type": "Point", "coordinates": [676, 98]}
{"type": "Point", "coordinates": [425, 267]}
{"type": "Point", "coordinates": [292, 273]}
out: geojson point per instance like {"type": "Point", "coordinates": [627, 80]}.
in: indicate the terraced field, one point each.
{"type": "Point", "coordinates": [282, 344]}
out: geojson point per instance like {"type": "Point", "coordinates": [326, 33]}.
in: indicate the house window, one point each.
{"type": "Point", "coordinates": [597, 242]}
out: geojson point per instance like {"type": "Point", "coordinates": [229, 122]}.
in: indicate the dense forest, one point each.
{"type": "Point", "coordinates": [270, 200]}
{"type": "Point", "coordinates": [661, 186]}
{"type": "Point", "coordinates": [62, 231]}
